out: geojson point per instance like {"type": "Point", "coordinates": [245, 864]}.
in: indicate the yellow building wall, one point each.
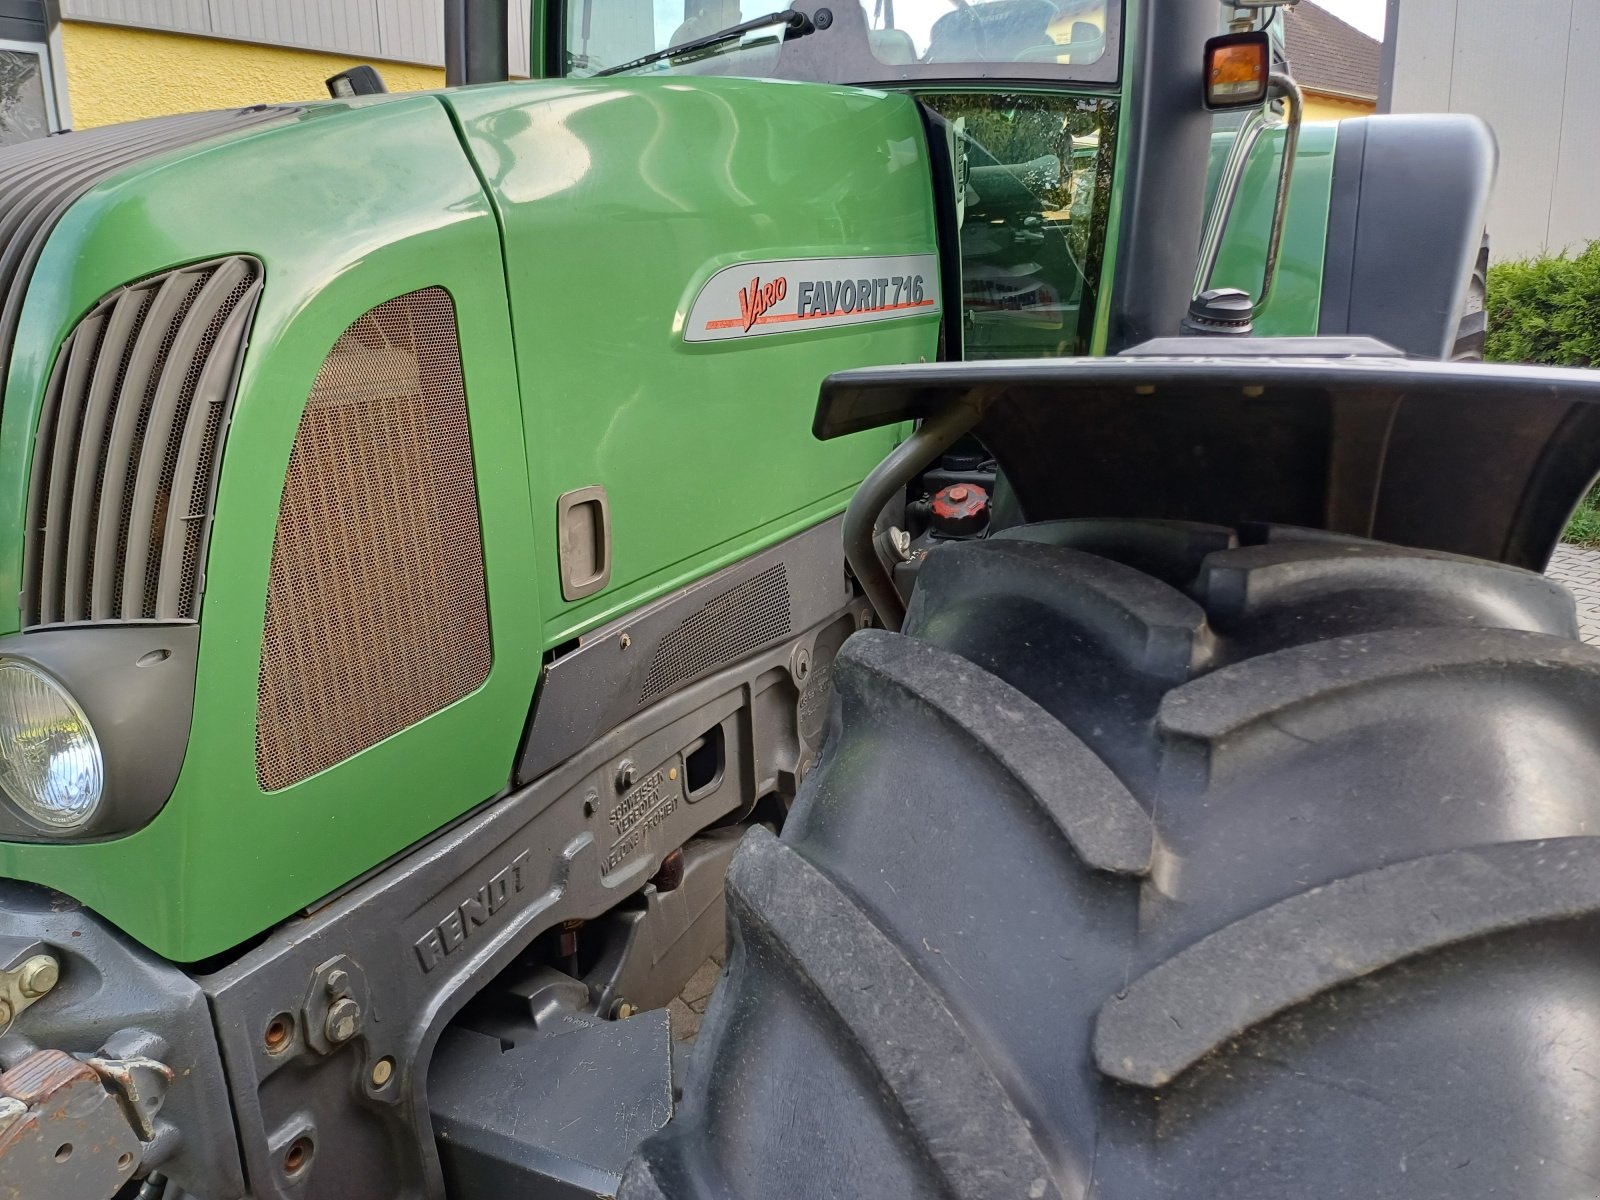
{"type": "Point", "coordinates": [1322, 107]}
{"type": "Point", "coordinates": [119, 74]}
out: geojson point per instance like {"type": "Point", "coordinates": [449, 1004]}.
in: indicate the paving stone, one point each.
{"type": "Point", "coordinates": [700, 984]}
{"type": "Point", "coordinates": [685, 1021]}
{"type": "Point", "coordinates": [1578, 569]}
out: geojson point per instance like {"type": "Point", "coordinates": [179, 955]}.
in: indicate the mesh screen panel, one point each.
{"type": "Point", "coordinates": [376, 612]}
{"type": "Point", "coordinates": [740, 620]}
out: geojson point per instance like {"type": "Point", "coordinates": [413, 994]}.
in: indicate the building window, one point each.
{"type": "Point", "coordinates": [27, 93]}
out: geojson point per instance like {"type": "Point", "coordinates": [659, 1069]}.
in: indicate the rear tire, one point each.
{"type": "Point", "coordinates": [1160, 860]}
{"type": "Point", "coordinates": [1473, 332]}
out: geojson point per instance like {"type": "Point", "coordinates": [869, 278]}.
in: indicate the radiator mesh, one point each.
{"type": "Point", "coordinates": [737, 622]}
{"type": "Point", "coordinates": [376, 611]}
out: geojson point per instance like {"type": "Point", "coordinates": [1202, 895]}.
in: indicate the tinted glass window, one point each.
{"type": "Point", "coordinates": [1034, 171]}
{"type": "Point", "coordinates": [875, 41]}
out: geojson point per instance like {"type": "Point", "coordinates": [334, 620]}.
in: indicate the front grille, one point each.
{"type": "Point", "coordinates": [126, 457]}
{"type": "Point", "coordinates": [376, 610]}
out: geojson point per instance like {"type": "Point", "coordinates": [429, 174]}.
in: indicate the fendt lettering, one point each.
{"type": "Point", "coordinates": [450, 934]}
{"type": "Point", "coordinates": [974, 449]}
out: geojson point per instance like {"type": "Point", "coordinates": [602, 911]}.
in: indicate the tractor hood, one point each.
{"type": "Point", "coordinates": [1470, 459]}
{"type": "Point", "coordinates": [40, 180]}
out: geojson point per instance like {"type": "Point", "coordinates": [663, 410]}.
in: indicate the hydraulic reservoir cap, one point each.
{"type": "Point", "coordinates": [1221, 312]}
{"type": "Point", "coordinates": [960, 509]}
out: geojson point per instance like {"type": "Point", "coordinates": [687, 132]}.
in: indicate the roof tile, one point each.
{"type": "Point", "coordinates": [1326, 55]}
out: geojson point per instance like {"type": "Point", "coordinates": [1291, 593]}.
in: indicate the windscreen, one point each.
{"type": "Point", "coordinates": [875, 41]}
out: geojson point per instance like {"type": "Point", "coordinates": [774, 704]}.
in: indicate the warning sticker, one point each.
{"type": "Point", "coordinates": [752, 299]}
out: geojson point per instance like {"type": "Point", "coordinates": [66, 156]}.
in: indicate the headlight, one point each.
{"type": "Point", "coordinates": [50, 762]}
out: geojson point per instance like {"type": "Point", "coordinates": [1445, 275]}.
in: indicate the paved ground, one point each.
{"type": "Point", "coordinates": [690, 1004]}
{"type": "Point", "coordinates": [1579, 569]}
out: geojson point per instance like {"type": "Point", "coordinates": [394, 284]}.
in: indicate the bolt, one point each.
{"type": "Point", "coordinates": [296, 1158]}
{"type": "Point", "coordinates": [625, 641]}
{"type": "Point", "coordinates": [338, 982]}
{"type": "Point", "coordinates": [627, 775]}
{"type": "Point", "coordinates": [39, 974]}
{"type": "Point", "coordinates": [901, 541]}
{"type": "Point", "coordinates": [621, 1010]}
{"type": "Point", "coordinates": [382, 1072]}
{"type": "Point", "coordinates": [344, 1021]}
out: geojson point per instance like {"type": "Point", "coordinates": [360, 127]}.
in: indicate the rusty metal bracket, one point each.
{"type": "Point", "coordinates": [336, 1005]}
{"type": "Point", "coordinates": [62, 1134]}
{"type": "Point", "coordinates": [141, 1084]}
{"type": "Point", "coordinates": [28, 971]}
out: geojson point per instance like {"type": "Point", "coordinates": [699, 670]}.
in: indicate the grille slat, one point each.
{"type": "Point", "coordinates": [126, 314]}
{"type": "Point", "coordinates": [38, 488]}
{"type": "Point", "coordinates": [377, 614]}
{"type": "Point", "coordinates": [121, 447]}
{"type": "Point", "coordinates": [69, 412]}
{"type": "Point", "coordinates": [170, 410]}
{"type": "Point", "coordinates": [110, 445]}
{"type": "Point", "coordinates": [194, 472]}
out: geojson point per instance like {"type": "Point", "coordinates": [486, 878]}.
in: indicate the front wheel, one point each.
{"type": "Point", "coordinates": [1472, 333]}
{"type": "Point", "coordinates": [1161, 860]}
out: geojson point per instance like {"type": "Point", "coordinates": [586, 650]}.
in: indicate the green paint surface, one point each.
{"type": "Point", "coordinates": [1296, 301]}
{"type": "Point", "coordinates": [618, 200]}
{"type": "Point", "coordinates": [610, 204]}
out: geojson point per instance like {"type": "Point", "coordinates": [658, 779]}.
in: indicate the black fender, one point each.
{"type": "Point", "coordinates": [1324, 433]}
{"type": "Point", "coordinates": [1405, 226]}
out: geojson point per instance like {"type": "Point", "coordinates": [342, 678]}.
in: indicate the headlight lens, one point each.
{"type": "Point", "coordinates": [50, 762]}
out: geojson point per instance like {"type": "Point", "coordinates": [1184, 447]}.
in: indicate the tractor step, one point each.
{"type": "Point", "coordinates": [554, 1115]}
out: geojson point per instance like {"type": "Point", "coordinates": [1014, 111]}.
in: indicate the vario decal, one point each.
{"type": "Point", "coordinates": [787, 295]}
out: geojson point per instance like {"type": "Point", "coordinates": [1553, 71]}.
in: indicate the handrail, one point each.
{"type": "Point", "coordinates": [1232, 179]}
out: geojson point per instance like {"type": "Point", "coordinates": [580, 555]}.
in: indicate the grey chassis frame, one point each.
{"type": "Point", "coordinates": [375, 973]}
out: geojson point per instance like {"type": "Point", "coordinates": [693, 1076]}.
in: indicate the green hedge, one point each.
{"type": "Point", "coordinates": [1546, 310]}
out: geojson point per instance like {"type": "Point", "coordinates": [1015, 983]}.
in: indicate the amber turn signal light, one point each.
{"type": "Point", "coordinates": [1238, 70]}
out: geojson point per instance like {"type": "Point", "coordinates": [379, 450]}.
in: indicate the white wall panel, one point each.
{"type": "Point", "coordinates": [1511, 69]}
{"type": "Point", "coordinates": [400, 30]}
{"type": "Point", "coordinates": [1575, 206]}
{"type": "Point", "coordinates": [1424, 55]}
{"type": "Point", "coordinates": [1527, 68]}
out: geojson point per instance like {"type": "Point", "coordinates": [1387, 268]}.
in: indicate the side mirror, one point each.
{"type": "Point", "coordinates": [1238, 70]}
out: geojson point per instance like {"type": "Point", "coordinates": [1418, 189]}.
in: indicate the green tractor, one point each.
{"type": "Point", "coordinates": [1102, 762]}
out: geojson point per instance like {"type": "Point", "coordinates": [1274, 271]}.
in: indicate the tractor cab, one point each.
{"type": "Point", "coordinates": [1022, 95]}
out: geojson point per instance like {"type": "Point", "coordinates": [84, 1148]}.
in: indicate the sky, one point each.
{"type": "Point", "coordinates": [1365, 15]}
